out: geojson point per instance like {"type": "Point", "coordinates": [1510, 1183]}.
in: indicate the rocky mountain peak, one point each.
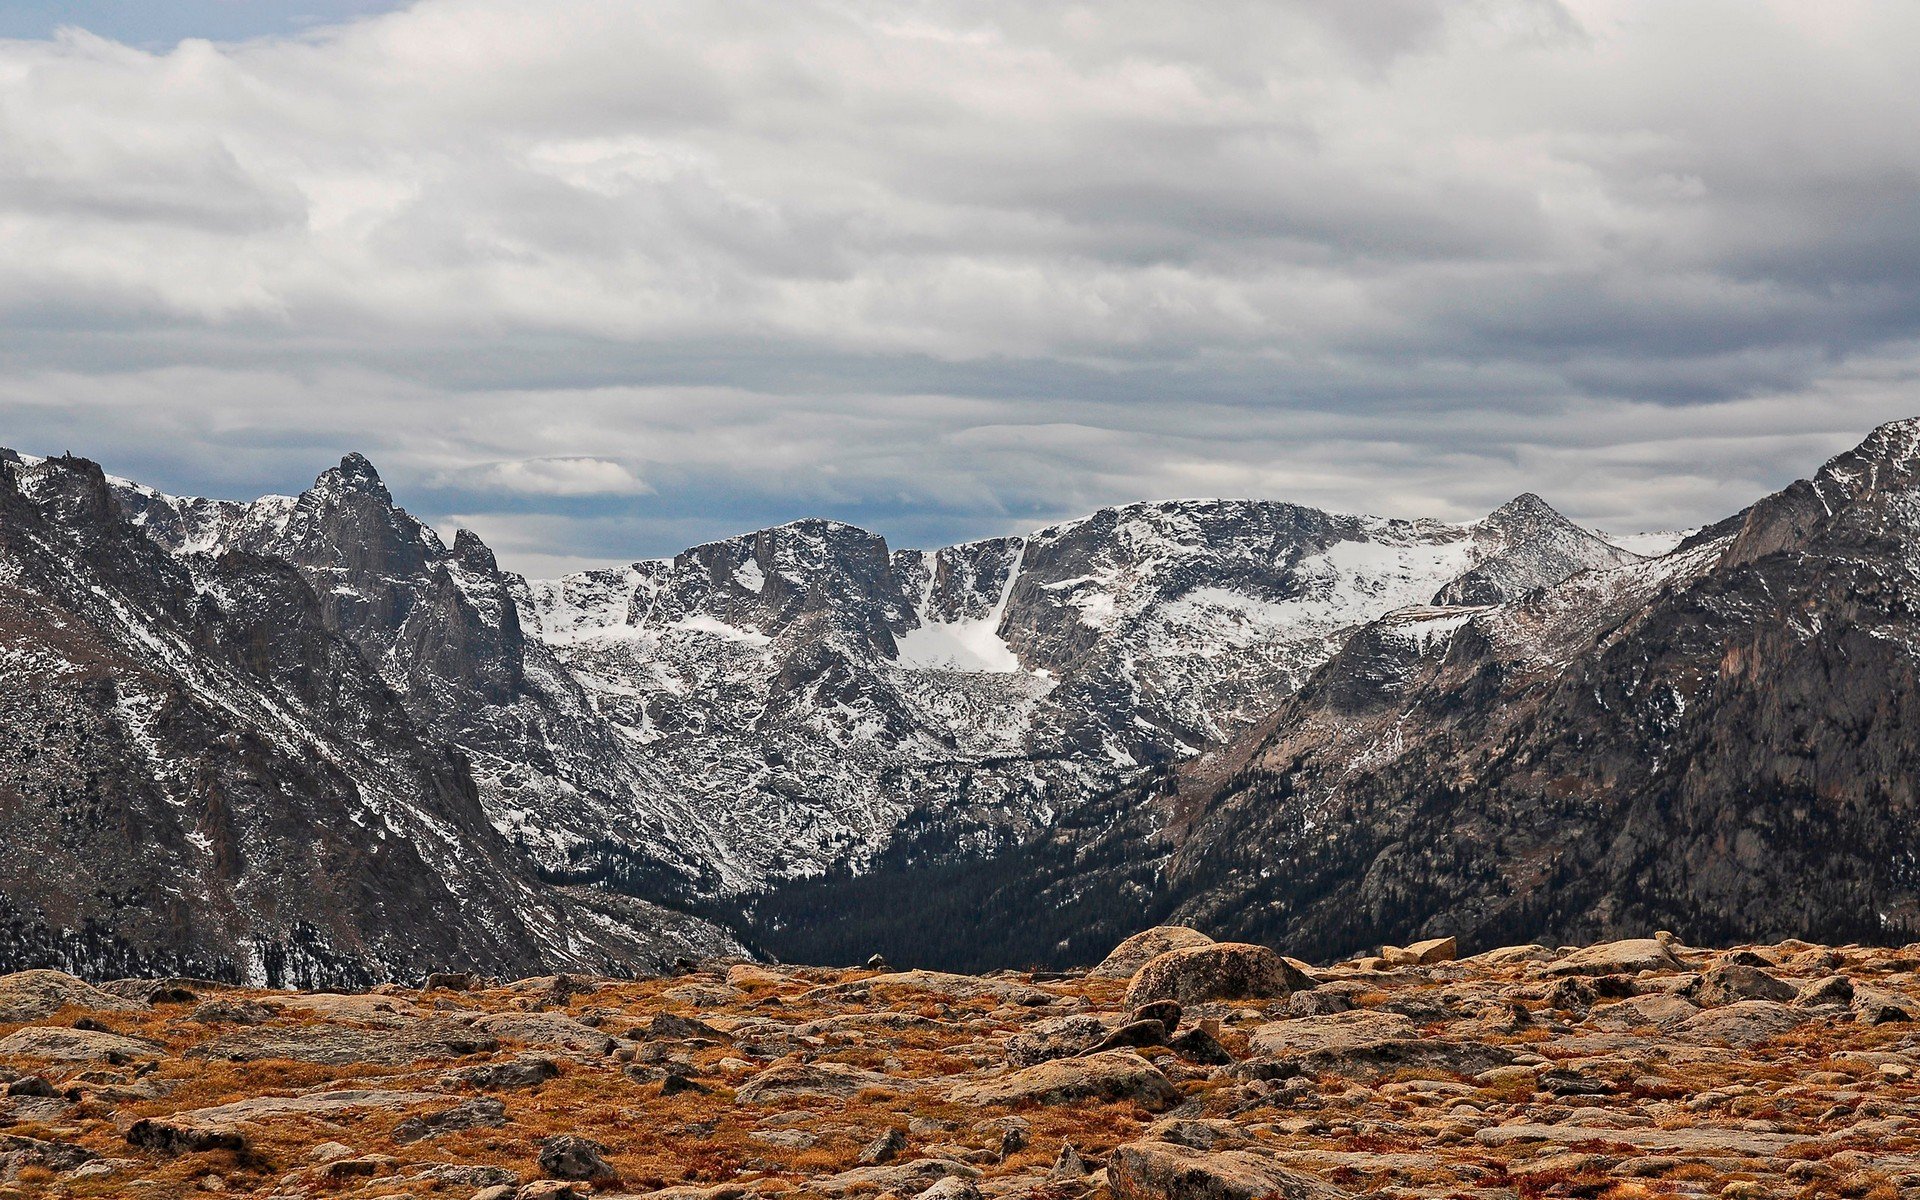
{"type": "Point", "coordinates": [354, 474]}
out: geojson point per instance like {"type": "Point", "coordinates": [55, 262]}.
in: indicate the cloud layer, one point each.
{"type": "Point", "coordinates": [603, 279]}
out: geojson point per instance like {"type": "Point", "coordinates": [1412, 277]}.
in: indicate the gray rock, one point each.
{"type": "Point", "coordinates": [1110, 1075]}
{"type": "Point", "coordinates": [169, 1135]}
{"type": "Point", "coordinates": [1729, 983]}
{"type": "Point", "coordinates": [60, 1044]}
{"type": "Point", "coordinates": [17, 1153]}
{"type": "Point", "coordinates": [483, 1113]}
{"type": "Point", "coordinates": [523, 1071]}
{"type": "Point", "coordinates": [549, 1031]}
{"type": "Point", "coordinates": [569, 1156]}
{"type": "Point", "coordinates": [36, 995]}
{"type": "Point", "coordinates": [783, 1082]}
{"type": "Point", "coordinates": [1629, 956]}
{"type": "Point", "coordinates": [1166, 1171]}
{"type": "Point", "coordinates": [1059, 1037]}
{"type": "Point", "coordinates": [1224, 971]}
{"type": "Point", "coordinates": [1129, 956]}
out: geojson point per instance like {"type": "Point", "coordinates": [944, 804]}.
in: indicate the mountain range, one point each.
{"type": "Point", "coordinates": [305, 740]}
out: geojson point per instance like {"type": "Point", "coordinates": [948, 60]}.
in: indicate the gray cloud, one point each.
{"type": "Point", "coordinates": [604, 279]}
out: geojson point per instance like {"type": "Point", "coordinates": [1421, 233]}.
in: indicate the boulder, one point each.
{"type": "Point", "coordinates": [1742, 1023]}
{"type": "Point", "coordinates": [1833, 989]}
{"type": "Point", "coordinates": [1732, 982]}
{"type": "Point", "coordinates": [1167, 1171]}
{"type": "Point", "coordinates": [232, 1012]}
{"type": "Point", "coordinates": [784, 1082]}
{"type": "Point", "coordinates": [1223, 971]}
{"type": "Point", "coordinates": [1060, 1037]}
{"type": "Point", "coordinates": [1628, 957]}
{"type": "Point", "coordinates": [164, 1135]}
{"type": "Point", "coordinates": [1133, 1033]}
{"type": "Point", "coordinates": [523, 1071]}
{"type": "Point", "coordinates": [572, 1157]}
{"type": "Point", "coordinates": [57, 1044]}
{"type": "Point", "coordinates": [314, 1105]}
{"type": "Point", "coordinates": [548, 1030]}
{"type": "Point", "coordinates": [1129, 956]}
{"type": "Point", "coordinates": [1109, 1075]}
{"type": "Point", "coordinates": [1434, 950]}
{"type": "Point", "coordinates": [36, 995]}
{"type": "Point", "coordinates": [482, 1113]}
{"type": "Point", "coordinates": [1167, 1012]}
{"type": "Point", "coordinates": [1359, 1027]}
{"type": "Point", "coordinates": [18, 1153]}
{"type": "Point", "coordinates": [1366, 1044]}
{"type": "Point", "coordinates": [953, 1187]}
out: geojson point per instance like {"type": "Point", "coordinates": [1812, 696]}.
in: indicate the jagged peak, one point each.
{"type": "Point", "coordinates": [1892, 443]}
{"type": "Point", "coordinates": [473, 553]}
{"type": "Point", "coordinates": [1526, 509]}
{"type": "Point", "coordinates": [354, 474]}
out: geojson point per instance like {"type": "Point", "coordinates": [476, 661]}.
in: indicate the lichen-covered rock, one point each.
{"type": "Point", "coordinates": [36, 995]}
{"type": "Point", "coordinates": [1629, 956]}
{"type": "Point", "coordinates": [1728, 983]}
{"type": "Point", "coordinates": [1167, 1171]}
{"type": "Point", "coordinates": [789, 1081]}
{"type": "Point", "coordinates": [1222, 971]}
{"type": "Point", "coordinates": [1110, 1075]}
{"type": "Point", "coordinates": [1135, 952]}
{"type": "Point", "coordinates": [59, 1044]}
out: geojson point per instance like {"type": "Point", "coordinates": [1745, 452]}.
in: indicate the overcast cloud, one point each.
{"type": "Point", "coordinates": [603, 279]}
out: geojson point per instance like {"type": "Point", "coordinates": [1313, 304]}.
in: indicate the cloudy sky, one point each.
{"type": "Point", "coordinates": [604, 278]}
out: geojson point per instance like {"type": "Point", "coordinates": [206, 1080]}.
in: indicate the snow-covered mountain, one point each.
{"type": "Point", "coordinates": [819, 699]}
{"type": "Point", "coordinates": [792, 703]}
{"type": "Point", "coordinates": [200, 774]}
{"type": "Point", "coordinates": [1718, 741]}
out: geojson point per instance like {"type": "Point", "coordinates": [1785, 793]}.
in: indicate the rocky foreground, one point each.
{"type": "Point", "coordinates": [1179, 1069]}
